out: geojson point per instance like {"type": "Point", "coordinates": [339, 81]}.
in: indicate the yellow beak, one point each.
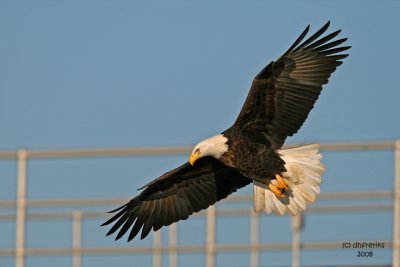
{"type": "Point", "coordinates": [193, 157]}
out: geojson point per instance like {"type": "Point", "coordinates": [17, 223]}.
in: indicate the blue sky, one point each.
{"type": "Point", "coordinates": [144, 73]}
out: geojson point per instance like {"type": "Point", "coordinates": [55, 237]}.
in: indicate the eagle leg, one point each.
{"type": "Point", "coordinates": [279, 189]}
{"type": "Point", "coordinates": [282, 184]}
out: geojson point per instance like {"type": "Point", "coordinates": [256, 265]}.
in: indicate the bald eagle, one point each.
{"type": "Point", "coordinates": [284, 180]}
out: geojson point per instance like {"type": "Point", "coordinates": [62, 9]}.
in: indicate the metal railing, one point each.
{"type": "Point", "coordinates": [211, 247]}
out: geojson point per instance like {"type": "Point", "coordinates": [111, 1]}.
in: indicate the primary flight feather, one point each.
{"type": "Point", "coordinates": [280, 98]}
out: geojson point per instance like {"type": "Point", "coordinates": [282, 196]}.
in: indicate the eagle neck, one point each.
{"type": "Point", "coordinates": [218, 145]}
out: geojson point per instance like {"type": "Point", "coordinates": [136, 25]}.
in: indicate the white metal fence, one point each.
{"type": "Point", "coordinates": [211, 247]}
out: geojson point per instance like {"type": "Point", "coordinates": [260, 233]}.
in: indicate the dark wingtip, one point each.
{"type": "Point", "coordinates": [144, 233]}
{"type": "Point", "coordinates": [109, 233]}
{"type": "Point", "coordinates": [117, 209]}
{"type": "Point", "coordinates": [131, 237]}
{"type": "Point", "coordinates": [337, 32]}
{"type": "Point", "coordinates": [108, 221]}
{"type": "Point", "coordinates": [146, 185]}
{"type": "Point", "coordinates": [324, 28]}
{"type": "Point", "coordinates": [112, 230]}
{"type": "Point", "coordinates": [298, 40]}
{"type": "Point", "coordinates": [118, 236]}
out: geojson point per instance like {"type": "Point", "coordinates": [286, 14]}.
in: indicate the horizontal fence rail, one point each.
{"type": "Point", "coordinates": [168, 150]}
{"type": "Point", "coordinates": [31, 203]}
{"type": "Point", "coordinates": [187, 248]}
{"type": "Point", "coordinates": [210, 247]}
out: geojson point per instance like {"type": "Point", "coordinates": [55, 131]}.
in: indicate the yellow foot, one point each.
{"type": "Point", "coordinates": [282, 184]}
{"type": "Point", "coordinates": [278, 191]}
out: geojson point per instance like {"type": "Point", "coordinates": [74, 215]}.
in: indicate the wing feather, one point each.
{"type": "Point", "coordinates": [314, 36]}
{"type": "Point", "coordinates": [175, 196]}
{"type": "Point", "coordinates": [285, 91]}
{"type": "Point", "coordinates": [149, 223]}
{"type": "Point", "coordinates": [324, 40]}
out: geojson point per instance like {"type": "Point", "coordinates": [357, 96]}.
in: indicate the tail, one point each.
{"type": "Point", "coordinates": [304, 174]}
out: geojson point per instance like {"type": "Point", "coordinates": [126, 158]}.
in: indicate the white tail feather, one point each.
{"type": "Point", "coordinates": [304, 174]}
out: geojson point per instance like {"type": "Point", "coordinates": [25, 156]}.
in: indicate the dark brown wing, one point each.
{"type": "Point", "coordinates": [284, 92]}
{"type": "Point", "coordinates": [176, 195]}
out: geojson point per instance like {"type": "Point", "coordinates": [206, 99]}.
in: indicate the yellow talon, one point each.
{"type": "Point", "coordinates": [282, 184]}
{"type": "Point", "coordinates": [276, 190]}
{"type": "Point", "coordinates": [280, 188]}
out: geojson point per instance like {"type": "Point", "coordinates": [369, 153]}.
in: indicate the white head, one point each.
{"type": "Point", "coordinates": [214, 146]}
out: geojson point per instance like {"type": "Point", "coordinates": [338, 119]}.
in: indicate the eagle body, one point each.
{"type": "Point", "coordinates": [252, 155]}
{"type": "Point", "coordinates": [284, 180]}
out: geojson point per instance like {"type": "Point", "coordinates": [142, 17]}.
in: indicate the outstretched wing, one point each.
{"type": "Point", "coordinates": [284, 92]}
{"type": "Point", "coordinates": [176, 195]}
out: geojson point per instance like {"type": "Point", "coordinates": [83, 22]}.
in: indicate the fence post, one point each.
{"type": "Point", "coordinates": [21, 209]}
{"type": "Point", "coordinates": [396, 206]}
{"type": "Point", "coordinates": [76, 238]}
{"type": "Point", "coordinates": [173, 241]}
{"type": "Point", "coordinates": [210, 241]}
{"type": "Point", "coordinates": [254, 238]}
{"type": "Point", "coordinates": [297, 226]}
{"type": "Point", "coordinates": [157, 248]}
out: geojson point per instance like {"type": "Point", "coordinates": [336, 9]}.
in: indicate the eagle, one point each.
{"type": "Point", "coordinates": [284, 180]}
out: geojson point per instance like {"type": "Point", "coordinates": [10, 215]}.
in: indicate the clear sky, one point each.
{"type": "Point", "coordinates": [144, 73]}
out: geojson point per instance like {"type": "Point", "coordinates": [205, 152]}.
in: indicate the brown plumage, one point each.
{"type": "Point", "coordinates": [284, 92]}
{"type": "Point", "coordinates": [280, 98]}
{"type": "Point", "coordinates": [176, 195]}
